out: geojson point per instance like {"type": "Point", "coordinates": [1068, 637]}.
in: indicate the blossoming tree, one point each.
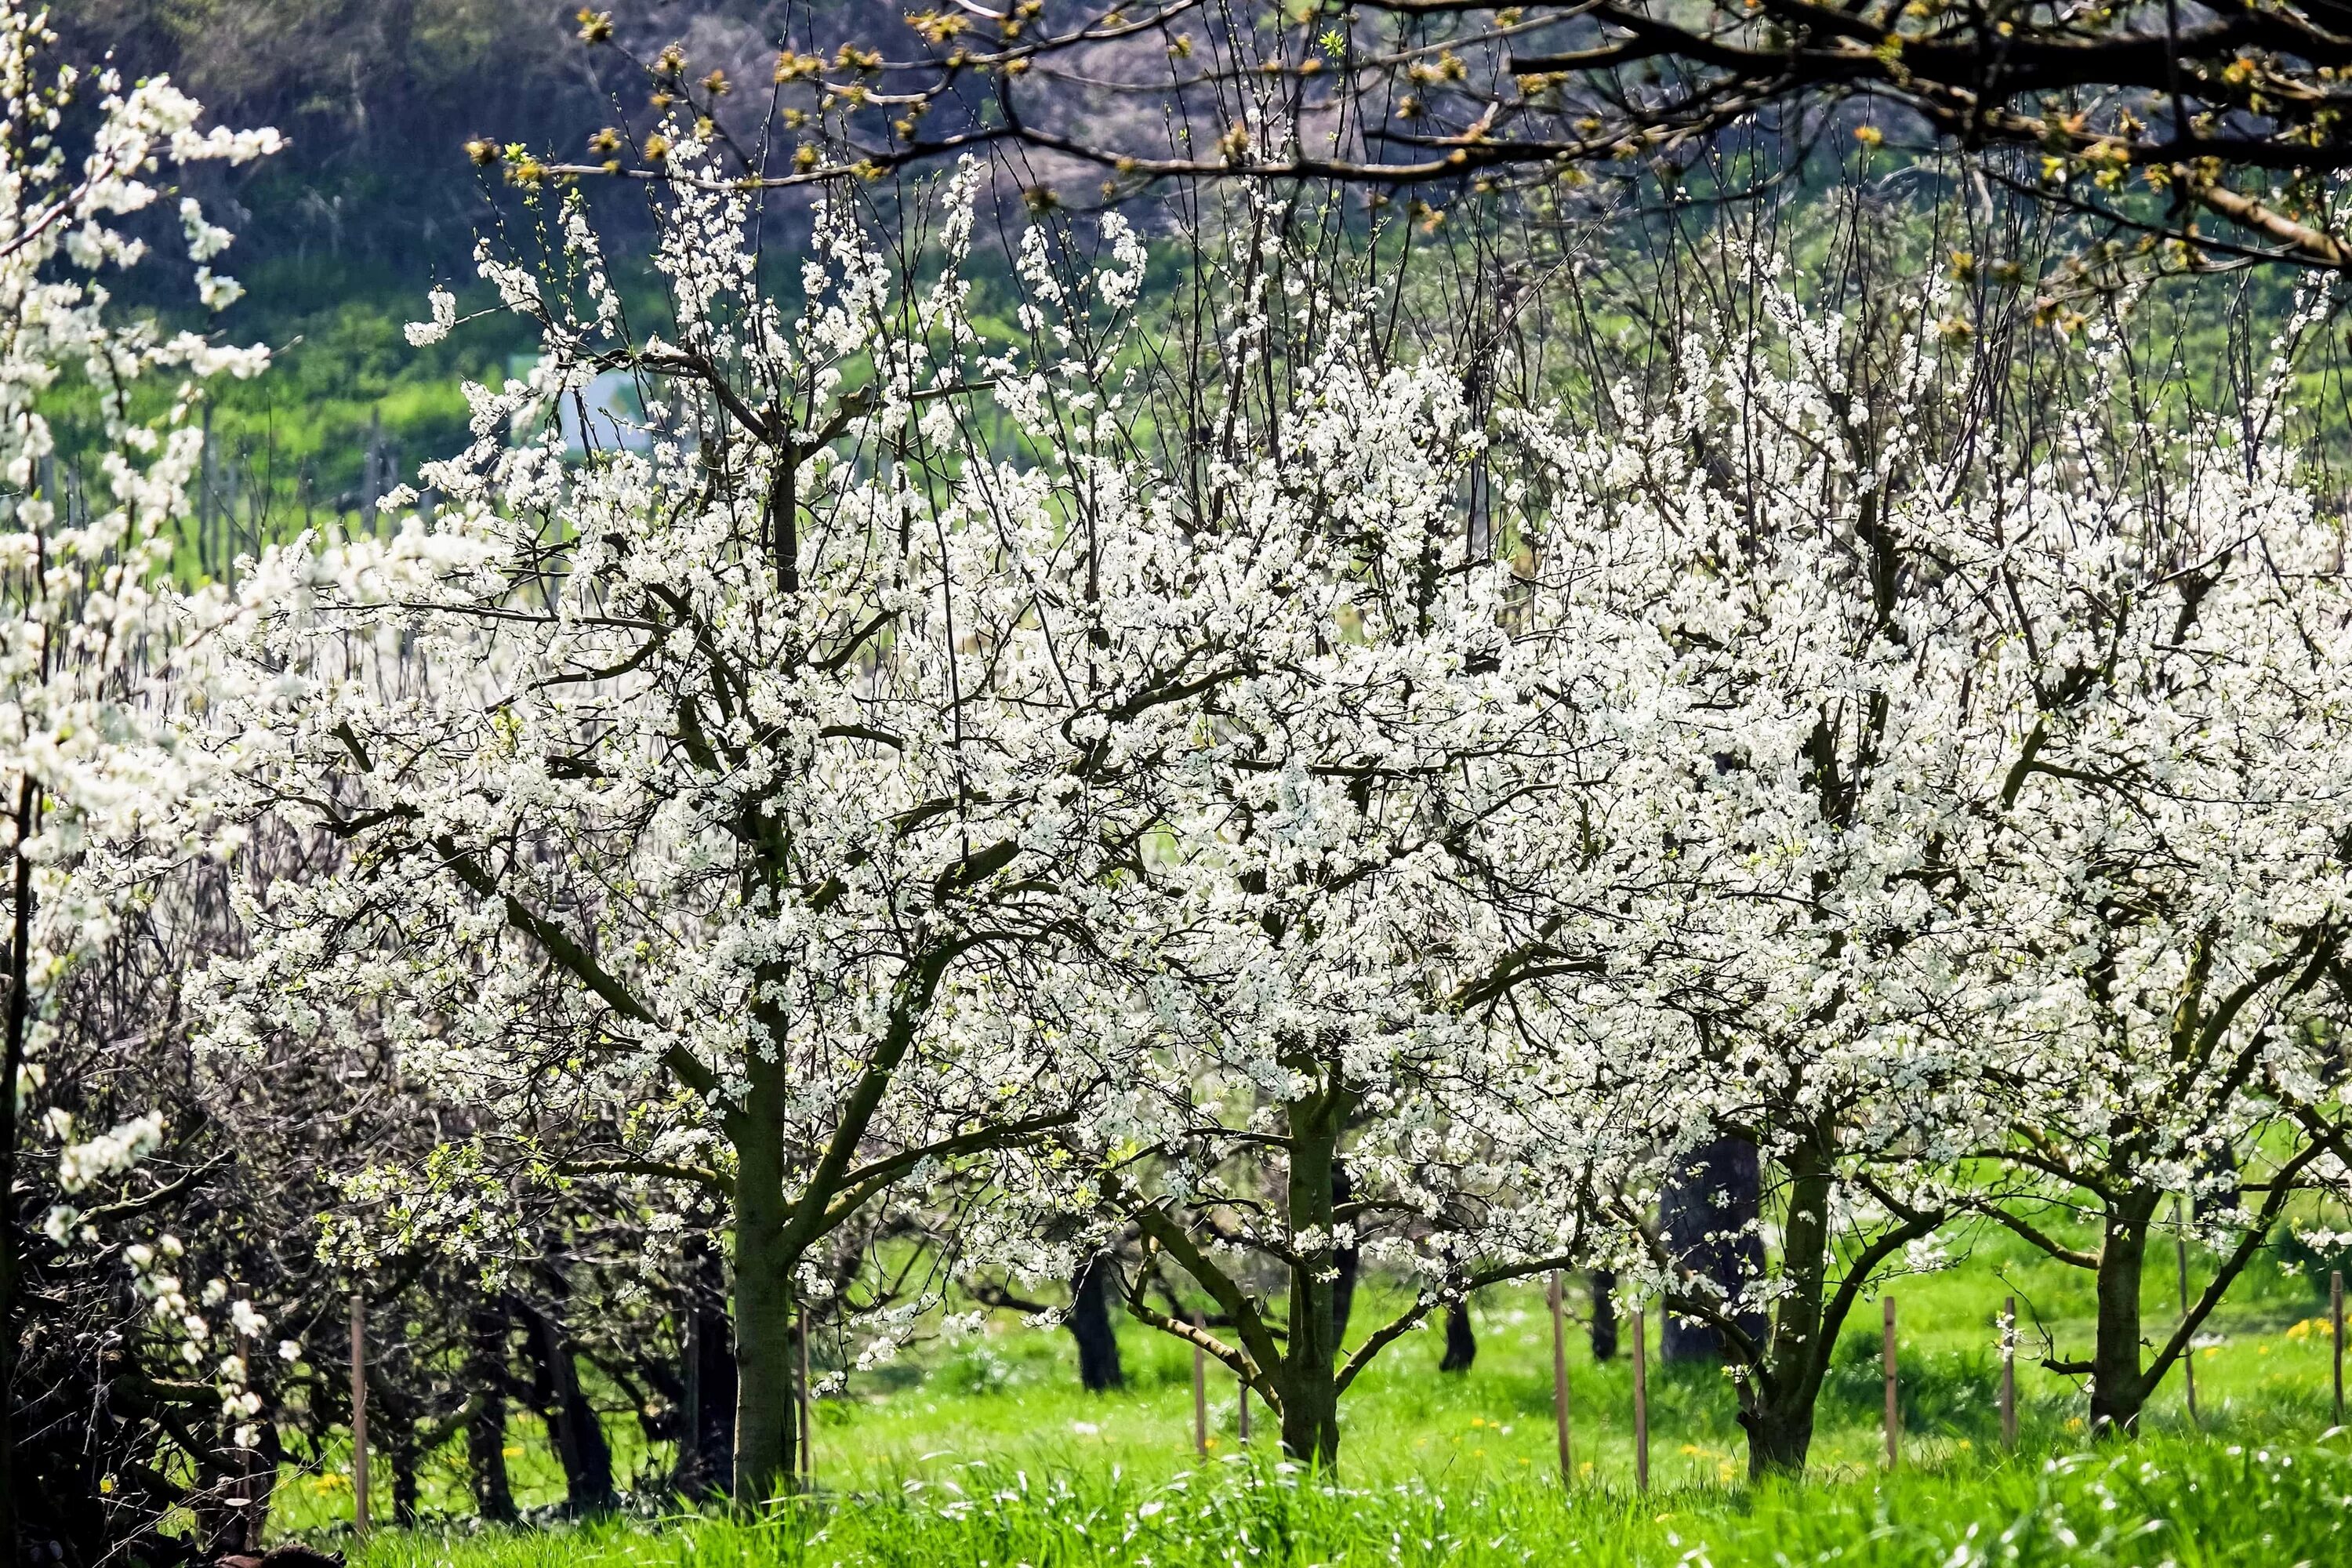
{"type": "Point", "coordinates": [2165, 891]}
{"type": "Point", "coordinates": [741, 796]}
{"type": "Point", "coordinates": [1335, 913]}
{"type": "Point", "coordinates": [91, 640]}
{"type": "Point", "coordinates": [1777, 960]}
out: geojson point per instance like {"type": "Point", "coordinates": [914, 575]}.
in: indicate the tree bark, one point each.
{"type": "Point", "coordinates": [765, 1430]}
{"type": "Point", "coordinates": [2118, 1386]}
{"type": "Point", "coordinates": [1091, 1326]}
{"type": "Point", "coordinates": [1776, 1407]}
{"type": "Point", "coordinates": [1779, 1437]}
{"type": "Point", "coordinates": [1310, 1404]}
{"type": "Point", "coordinates": [12, 1065]}
{"type": "Point", "coordinates": [262, 1462]}
{"type": "Point", "coordinates": [706, 1446]}
{"type": "Point", "coordinates": [398, 1424]}
{"type": "Point", "coordinates": [486, 1421]}
{"type": "Point", "coordinates": [1709, 1212]}
{"type": "Point", "coordinates": [486, 1458]}
{"type": "Point", "coordinates": [1461, 1341]}
{"type": "Point", "coordinates": [1604, 1314]}
{"type": "Point", "coordinates": [1347, 1261]}
{"type": "Point", "coordinates": [580, 1444]}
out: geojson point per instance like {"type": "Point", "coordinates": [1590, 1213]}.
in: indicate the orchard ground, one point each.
{"type": "Point", "coordinates": [989, 1453]}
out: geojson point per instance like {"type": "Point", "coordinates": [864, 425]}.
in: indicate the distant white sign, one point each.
{"type": "Point", "coordinates": [615, 414]}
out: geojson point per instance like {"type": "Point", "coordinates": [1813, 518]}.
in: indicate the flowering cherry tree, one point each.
{"type": "Point", "coordinates": [744, 800]}
{"type": "Point", "coordinates": [1775, 962]}
{"type": "Point", "coordinates": [1333, 915]}
{"type": "Point", "coordinates": [92, 640]}
{"type": "Point", "coordinates": [2165, 890]}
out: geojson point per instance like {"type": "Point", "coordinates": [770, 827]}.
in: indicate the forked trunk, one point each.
{"type": "Point", "coordinates": [1776, 1407]}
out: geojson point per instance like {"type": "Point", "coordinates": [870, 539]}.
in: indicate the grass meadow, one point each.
{"type": "Point", "coordinates": [986, 1454]}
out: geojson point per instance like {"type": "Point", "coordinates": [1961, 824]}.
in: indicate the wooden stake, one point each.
{"type": "Point", "coordinates": [1894, 1411]}
{"type": "Point", "coordinates": [1641, 1397]}
{"type": "Point", "coordinates": [1240, 1417]}
{"type": "Point", "coordinates": [1560, 1380]}
{"type": "Point", "coordinates": [1200, 1391]}
{"type": "Point", "coordinates": [2189, 1353]}
{"type": "Point", "coordinates": [689, 1447]}
{"type": "Point", "coordinates": [359, 1415]}
{"type": "Point", "coordinates": [2009, 1375]}
{"type": "Point", "coordinates": [2335, 1323]}
{"type": "Point", "coordinates": [249, 1504]}
{"type": "Point", "coordinates": [808, 1428]}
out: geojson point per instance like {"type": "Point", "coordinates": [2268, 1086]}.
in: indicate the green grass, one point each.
{"type": "Point", "coordinates": [987, 1453]}
{"type": "Point", "coordinates": [2161, 1501]}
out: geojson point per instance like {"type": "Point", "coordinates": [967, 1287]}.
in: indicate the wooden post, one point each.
{"type": "Point", "coordinates": [808, 1428]}
{"type": "Point", "coordinates": [1241, 1415]}
{"type": "Point", "coordinates": [250, 1518]}
{"type": "Point", "coordinates": [690, 1447]}
{"type": "Point", "coordinates": [2336, 1340]}
{"type": "Point", "coordinates": [2009, 1375]}
{"type": "Point", "coordinates": [1641, 1397]}
{"type": "Point", "coordinates": [359, 1415]}
{"type": "Point", "coordinates": [1560, 1380]}
{"type": "Point", "coordinates": [1200, 1391]}
{"type": "Point", "coordinates": [1894, 1411]}
{"type": "Point", "coordinates": [2189, 1352]}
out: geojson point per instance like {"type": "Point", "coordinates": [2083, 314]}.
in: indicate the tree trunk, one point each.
{"type": "Point", "coordinates": [1707, 1213]}
{"type": "Point", "coordinates": [12, 1064]}
{"type": "Point", "coordinates": [398, 1424]}
{"type": "Point", "coordinates": [2118, 1387]}
{"type": "Point", "coordinates": [1776, 1407]}
{"type": "Point", "coordinates": [486, 1458]}
{"type": "Point", "coordinates": [1090, 1325]}
{"type": "Point", "coordinates": [218, 1504]}
{"type": "Point", "coordinates": [1310, 1403]}
{"type": "Point", "coordinates": [706, 1445]}
{"type": "Point", "coordinates": [262, 1462]}
{"type": "Point", "coordinates": [1604, 1314]}
{"type": "Point", "coordinates": [765, 1430]}
{"type": "Point", "coordinates": [580, 1444]}
{"type": "Point", "coordinates": [1780, 1436]}
{"type": "Point", "coordinates": [486, 1421]}
{"type": "Point", "coordinates": [1461, 1344]}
